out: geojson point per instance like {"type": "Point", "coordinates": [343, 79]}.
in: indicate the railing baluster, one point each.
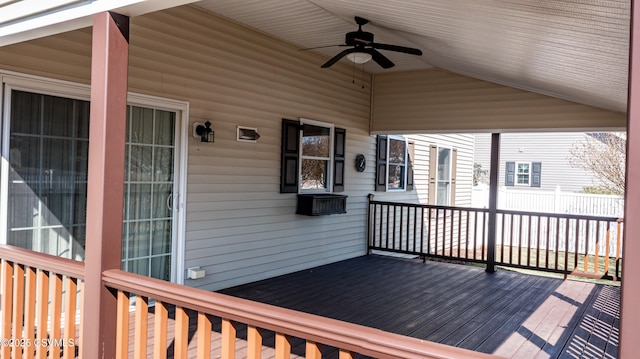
{"type": "Point", "coordinates": [18, 308]}
{"type": "Point", "coordinates": [451, 235]}
{"type": "Point", "coordinates": [373, 225]}
{"type": "Point", "coordinates": [596, 258]}
{"type": "Point", "coordinates": [30, 300]}
{"type": "Point", "coordinates": [71, 295]}
{"type": "Point", "coordinates": [566, 245]}
{"type": "Point", "coordinates": [466, 238]}
{"type": "Point", "coordinates": [415, 229]}
{"type": "Point", "coordinates": [204, 336]}
{"type": "Point", "coordinates": [557, 242]}
{"type": "Point", "coordinates": [42, 312]}
{"type": "Point", "coordinates": [429, 231]}
{"type": "Point", "coordinates": [539, 221]}
{"type": "Point", "coordinates": [388, 226]}
{"type": "Point", "coordinates": [254, 343]}
{"type": "Point", "coordinates": [546, 257]}
{"type": "Point", "coordinates": [585, 263]}
{"type": "Point", "coordinates": [618, 244]}
{"type": "Point", "coordinates": [459, 231]}
{"type": "Point", "coordinates": [529, 242]}
{"type": "Point", "coordinates": [435, 247]}
{"type": "Point", "coordinates": [312, 350]}
{"type": "Point", "coordinates": [7, 297]}
{"type": "Point", "coordinates": [520, 234]}
{"type": "Point", "coordinates": [577, 245]}
{"type": "Point", "coordinates": [160, 324]}
{"type": "Point", "coordinates": [400, 235]}
{"type": "Point", "coordinates": [345, 354]}
{"type": "Point", "coordinates": [283, 346]}
{"type": "Point", "coordinates": [422, 230]}
{"type": "Point", "coordinates": [228, 344]}
{"type": "Point", "coordinates": [56, 313]}
{"type": "Point", "coordinates": [122, 333]}
{"type": "Point", "coordinates": [607, 252]}
{"type": "Point", "coordinates": [475, 236]}
{"type": "Point", "coordinates": [141, 327]}
{"type": "Point", "coordinates": [181, 341]}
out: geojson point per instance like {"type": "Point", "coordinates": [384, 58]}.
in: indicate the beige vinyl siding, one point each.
{"type": "Point", "coordinates": [239, 227]}
{"type": "Point", "coordinates": [464, 171]}
{"type": "Point", "coordinates": [438, 101]}
{"type": "Point", "coordinates": [551, 149]}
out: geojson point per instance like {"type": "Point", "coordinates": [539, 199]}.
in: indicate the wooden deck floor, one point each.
{"type": "Point", "coordinates": [504, 313]}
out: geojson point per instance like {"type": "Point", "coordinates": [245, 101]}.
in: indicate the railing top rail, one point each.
{"type": "Point", "coordinates": [471, 209]}
{"type": "Point", "coordinates": [352, 337]}
{"type": "Point", "coordinates": [561, 215]}
{"type": "Point", "coordinates": [47, 262]}
{"type": "Point", "coordinates": [503, 211]}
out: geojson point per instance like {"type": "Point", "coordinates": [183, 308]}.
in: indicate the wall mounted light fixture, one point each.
{"type": "Point", "coordinates": [203, 131]}
{"type": "Point", "coordinates": [247, 134]}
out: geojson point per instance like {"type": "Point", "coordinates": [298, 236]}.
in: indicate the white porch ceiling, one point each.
{"type": "Point", "coordinates": [571, 49]}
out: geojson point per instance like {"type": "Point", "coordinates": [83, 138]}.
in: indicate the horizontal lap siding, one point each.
{"type": "Point", "coordinates": [464, 171]}
{"type": "Point", "coordinates": [436, 101]}
{"type": "Point", "coordinates": [239, 227]}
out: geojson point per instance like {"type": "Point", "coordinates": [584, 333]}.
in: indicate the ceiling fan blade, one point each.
{"type": "Point", "coordinates": [322, 47]}
{"type": "Point", "coordinates": [380, 59]}
{"type": "Point", "coordinates": [406, 50]}
{"type": "Point", "coordinates": [338, 57]}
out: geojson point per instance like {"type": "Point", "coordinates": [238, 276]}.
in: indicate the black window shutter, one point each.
{"type": "Point", "coordinates": [510, 174]}
{"type": "Point", "coordinates": [289, 156]}
{"type": "Point", "coordinates": [536, 171]}
{"type": "Point", "coordinates": [381, 164]}
{"type": "Point", "coordinates": [411, 150]}
{"type": "Point", "coordinates": [339, 144]}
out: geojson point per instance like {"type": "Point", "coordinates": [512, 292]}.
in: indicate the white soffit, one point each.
{"type": "Point", "coordinates": [571, 49]}
{"type": "Point", "coordinates": [24, 20]}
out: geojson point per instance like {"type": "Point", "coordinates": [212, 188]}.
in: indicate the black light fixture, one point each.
{"type": "Point", "coordinates": [204, 131]}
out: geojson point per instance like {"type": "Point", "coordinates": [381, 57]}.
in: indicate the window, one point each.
{"type": "Point", "coordinates": [312, 157]}
{"type": "Point", "coordinates": [394, 164]}
{"type": "Point", "coordinates": [523, 174]}
{"type": "Point", "coordinates": [396, 168]}
{"type": "Point", "coordinates": [442, 175]}
{"type": "Point", "coordinates": [315, 156]}
{"type": "Point", "coordinates": [443, 192]}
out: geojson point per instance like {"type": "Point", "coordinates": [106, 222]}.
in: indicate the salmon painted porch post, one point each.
{"type": "Point", "coordinates": [630, 310]}
{"type": "Point", "coordinates": [109, 64]}
{"type": "Point", "coordinates": [494, 169]}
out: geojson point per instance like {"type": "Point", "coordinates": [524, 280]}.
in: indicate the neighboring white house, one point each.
{"type": "Point", "coordinates": [535, 160]}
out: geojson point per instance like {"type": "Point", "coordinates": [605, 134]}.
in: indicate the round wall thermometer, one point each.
{"type": "Point", "coordinates": [361, 163]}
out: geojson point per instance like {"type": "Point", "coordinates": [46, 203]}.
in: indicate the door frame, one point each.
{"type": "Point", "coordinates": [10, 80]}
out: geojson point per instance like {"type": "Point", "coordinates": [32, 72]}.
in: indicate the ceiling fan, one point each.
{"type": "Point", "coordinates": [362, 48]}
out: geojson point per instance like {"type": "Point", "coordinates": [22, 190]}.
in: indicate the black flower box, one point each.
{"type": "Point", "coordinates": [319, 204]}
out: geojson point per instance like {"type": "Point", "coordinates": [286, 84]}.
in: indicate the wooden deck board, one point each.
{"type": "Point", "coordinates": [506, 313]}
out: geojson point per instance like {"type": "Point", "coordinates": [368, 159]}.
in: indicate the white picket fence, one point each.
{"type": "Point", "coordinates": [551, 201]}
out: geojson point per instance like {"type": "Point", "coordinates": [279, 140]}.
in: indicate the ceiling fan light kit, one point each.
{"type": "Point", "coordinates": [359, 57]}
{"type": "Point", "coordinates": [363, 48]}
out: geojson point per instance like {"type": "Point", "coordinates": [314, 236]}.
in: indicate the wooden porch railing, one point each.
{"type": "Point", "coordinates": [40, 314]}
{"type": "Point", "coordinates": [228, 313]}
{"type": "Point", "coordinates": [562, 243]}
{"type": "Point", "coordinates": [40, 296]}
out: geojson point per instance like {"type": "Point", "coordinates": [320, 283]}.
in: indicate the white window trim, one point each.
{"type": "Point", "coordinates": [515, 180]}
{"type": "Point", "coordinates": [406, 162]}
{"type": "Point", "coordinates": [10, 80]}
{"type": "Point", "coordinates": [450, 170]}
{"type": "Point", "coordinates": [331, 127]}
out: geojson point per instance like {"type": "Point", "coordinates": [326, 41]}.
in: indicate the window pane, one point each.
{"type": "Point", "coordinates": [397, 151]}
{"type": "Point", "coordinates": [48, 152]}
{"type": "Point", "coordinates": [314, 174]}
{"type": "Point", "coordinates": [315, 141]}
{"type": "Point", "coordinates": [443, 194]}
{"type": "Point", "coordinates": [396, 177]}
{"type": "Point", "coordinates": [523, 173]}
{"type": "Point", "coordinates": [444, 164]}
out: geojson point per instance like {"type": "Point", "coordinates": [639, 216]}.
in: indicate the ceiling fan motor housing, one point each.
{"type": "Point", "coordinates": [358, 38]}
